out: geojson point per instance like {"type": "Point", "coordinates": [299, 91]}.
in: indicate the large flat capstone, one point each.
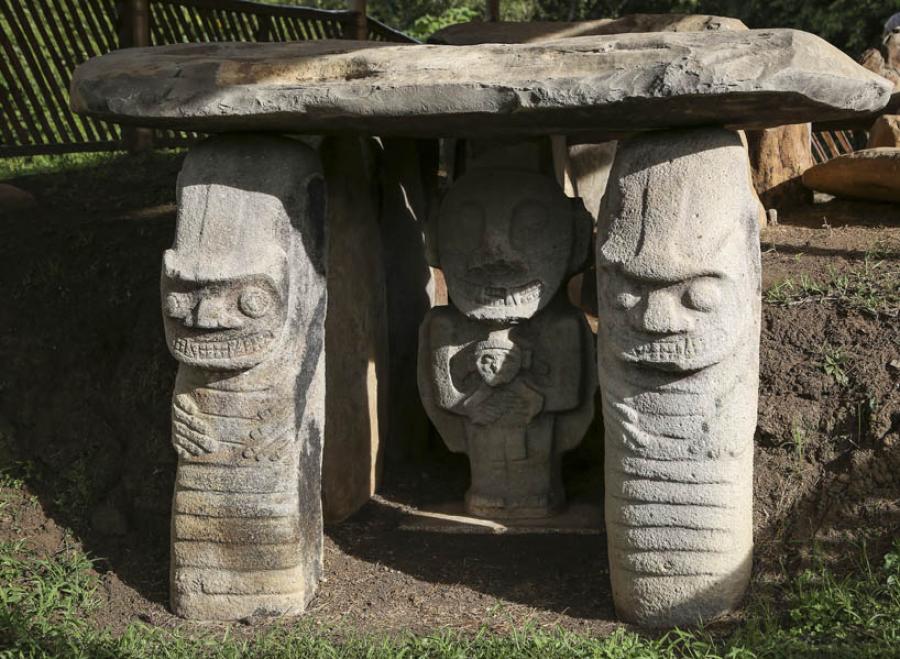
{"type": "Point", "coordinates": [592, 85]}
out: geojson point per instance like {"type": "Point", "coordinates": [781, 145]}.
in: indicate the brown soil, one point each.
{"type": "Point", "coordinates": [84, 398]}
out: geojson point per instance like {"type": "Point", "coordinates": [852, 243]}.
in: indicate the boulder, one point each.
{"type": "Point", "coordinates": [476, 32]}
{"type": "Point", "coordinates": [599, 87]}
{"type": "Point", "coordinates": [885, 132]}
{"type": "Point", "coordinates": [15, 199]}
{"type": "Point", "coordinates": [866, 174]}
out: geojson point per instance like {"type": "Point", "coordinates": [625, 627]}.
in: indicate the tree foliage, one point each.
{"type": "Point", "coordinates": [851, 25]}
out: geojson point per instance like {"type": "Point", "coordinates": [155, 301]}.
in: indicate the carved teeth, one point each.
{"type": "Point", "coordinates": [661, 350]}
{"type": "Point", "coordinates": [232, 348]}
{"type": "Point", "coordinates": [498, 296]}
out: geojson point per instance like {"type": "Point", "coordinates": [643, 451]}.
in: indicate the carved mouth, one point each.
{"type": "Point", "coordinates": [195, 348]}
{"type": "Point", "coordinates": [501, 296]}
{"type": "Point", "coordinates": [682, 350]}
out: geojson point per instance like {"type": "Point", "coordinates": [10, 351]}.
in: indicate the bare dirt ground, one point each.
{"type": "Point", "coordinates": [84, 404]}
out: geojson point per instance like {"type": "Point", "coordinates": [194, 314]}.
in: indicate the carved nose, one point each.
{"type": "Point", "coordinates": [210, 315]}
{"type": "Point", "coordinates": [664, 315]}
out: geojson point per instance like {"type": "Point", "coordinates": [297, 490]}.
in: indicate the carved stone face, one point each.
{"type": "Point", "coordinates": [676, 256]}
{"type": "Point", "coordinates": [505, 242]}
{"type": "Point", "coordinates": [230, 324]}
{"type": "Point", "coordinates": [497, 365]}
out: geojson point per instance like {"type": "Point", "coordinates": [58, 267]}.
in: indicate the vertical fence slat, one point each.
{"type": "Point", "coordinates": [56, 76]}
{"type": "Point", "coordinates": [29, 108]}
{"type": "Point", "coordinates": [42, 41]}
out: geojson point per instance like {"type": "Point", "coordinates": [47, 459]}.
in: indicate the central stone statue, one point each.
{"type": "Point", "coordinates": [506, 372]}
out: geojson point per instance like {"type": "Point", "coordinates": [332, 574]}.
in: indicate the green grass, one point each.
{"type": "Point", "coordinates": [873, 288]}
{"type": "Point", "coordinates": [29, 165]}
{"type": "Point", "coordinates": [44, 603]}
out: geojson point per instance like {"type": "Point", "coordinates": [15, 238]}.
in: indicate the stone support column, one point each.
{"type": "Point", "coordinates": [679, 307]}
{"type": "Point", "coordinates": [244, 299]}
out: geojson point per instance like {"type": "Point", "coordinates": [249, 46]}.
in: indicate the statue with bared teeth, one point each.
{"type": "Point", "coordinates": [506, 371]}
{"type": "Point", "coordinates": [679, 305]}
{"type": "Point", "coordinates": [243, 291]}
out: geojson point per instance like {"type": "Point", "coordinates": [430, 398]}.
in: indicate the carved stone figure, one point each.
{"type": "Point", "coordinates": [243, 291]}
{"type": "Point", "coordinates": [506, 371]}
{"type": "Point", "coordinates": [679, 299]}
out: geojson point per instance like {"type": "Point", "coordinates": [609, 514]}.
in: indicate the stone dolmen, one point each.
{"type": "Point", "coordinates": [504, 370]}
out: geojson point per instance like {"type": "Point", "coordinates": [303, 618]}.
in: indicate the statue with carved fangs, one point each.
{"type": "Point", "coordinates": [506, 372]}
{"type": "Point", "coordinates": [243, 291]}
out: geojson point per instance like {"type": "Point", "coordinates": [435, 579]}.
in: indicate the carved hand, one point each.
{"type": "Point", "coordinates": [270, 438]}
{"type": "Point", "coordinates": [190, 433]}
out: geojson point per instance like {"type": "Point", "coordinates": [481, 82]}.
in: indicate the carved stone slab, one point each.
{"type": "Point", "coordinates": [244, 301]}
{"type": "Point", "coordinates": [679, 301]}
{"type": "Point", "coordinates": [475, 32]}
{"type": "Point", "coordinates": [617, 84]}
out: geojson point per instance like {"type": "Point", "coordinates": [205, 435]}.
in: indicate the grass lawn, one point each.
{"type": "Point", "coordinates": [45, 602]}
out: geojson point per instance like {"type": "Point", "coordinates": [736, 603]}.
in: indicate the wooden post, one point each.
{"type": "Point", "coordinates": [136, 33]}
{"type": "Point", "coordinates": [362, 21]}
{"type": "Point", "coordinates": [493, 11]}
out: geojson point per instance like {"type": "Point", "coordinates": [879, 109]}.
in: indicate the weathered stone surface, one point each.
{"type": "Point", "coordinates": [355, 328]}
{"type": "Point", "coordinates": [679, 297]}
{"type": "Point", "coordinates": [865, 174]}
{"type": "Point", "coordinates": [244, 302]}
{"type": "Point", "coordinates": [885, 60]}
{"type": "Point", "coordinates": [506, 371]}
{"type": "Point", "coordinates": [589, 165]}
{"type": "Point", "coordinates": [603, 85]}
{"type": "Point", "coordinates": [475, 32]}
{"type": "Point", "coordinates": [778, 158]}
{"type": "Point", "coordinates": [885, 132]}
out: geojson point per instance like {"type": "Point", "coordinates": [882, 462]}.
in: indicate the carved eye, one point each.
{"type": "Point", "coordinates": [626, 300]}
{"type": "Point", "coordinates": [467, 225]}
{"type": "Point", "coordinates": [528, 224]}
{"type": "Point", "coordinates": [255, 302]}
{"type": "Point", "coordinates": [703, 294]}
{"type": "Point", "coordinates": [177, 305]}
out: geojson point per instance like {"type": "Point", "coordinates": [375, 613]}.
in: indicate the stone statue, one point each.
{"type": "Point", "coordinates": [679, 305]}
{"type": "Point", "coordinates": [243, 292]}
{"type": "Point", "coordinates": [506, 371]}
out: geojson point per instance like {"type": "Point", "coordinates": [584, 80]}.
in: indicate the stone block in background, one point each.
{"type": "Point", "coordinates": [778, 158]}
{"type": "Point", "coordinates": [885, 132]}
{"type": "Point", "coordinates": [356, 336]}
{"type": "Point", "coordinates": [408, 179]}
{"type": "Point", "coordinates": [872, 174]}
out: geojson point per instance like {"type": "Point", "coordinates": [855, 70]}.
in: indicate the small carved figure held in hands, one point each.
{"type": "Point", "coordinates": [506, 371]}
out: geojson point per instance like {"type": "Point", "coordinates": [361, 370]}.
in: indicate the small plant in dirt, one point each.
{"type": "Point", "coordinates": [872, 288]}
{"type": "Point", "coordinates": [835, 364]}
{"type": "Point", "coordinates": [799, 438]}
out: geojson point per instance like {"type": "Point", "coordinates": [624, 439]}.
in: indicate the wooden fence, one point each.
{"type": "Point", "coordinates": [42, 41]}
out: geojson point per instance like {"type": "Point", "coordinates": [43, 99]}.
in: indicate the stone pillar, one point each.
{"type": "Point", "coordinates": [505, 371]}
{"type": "Point", "coordinates": [356, 328]}
{"type": "Point", "coordinates": [778, 158]}
{"type": "Point", "coordinates": [679, 304]}
{"type": "Point", "coordinates": [243, 291]}
{"type": "Point", "coordinates": [406, 167]}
